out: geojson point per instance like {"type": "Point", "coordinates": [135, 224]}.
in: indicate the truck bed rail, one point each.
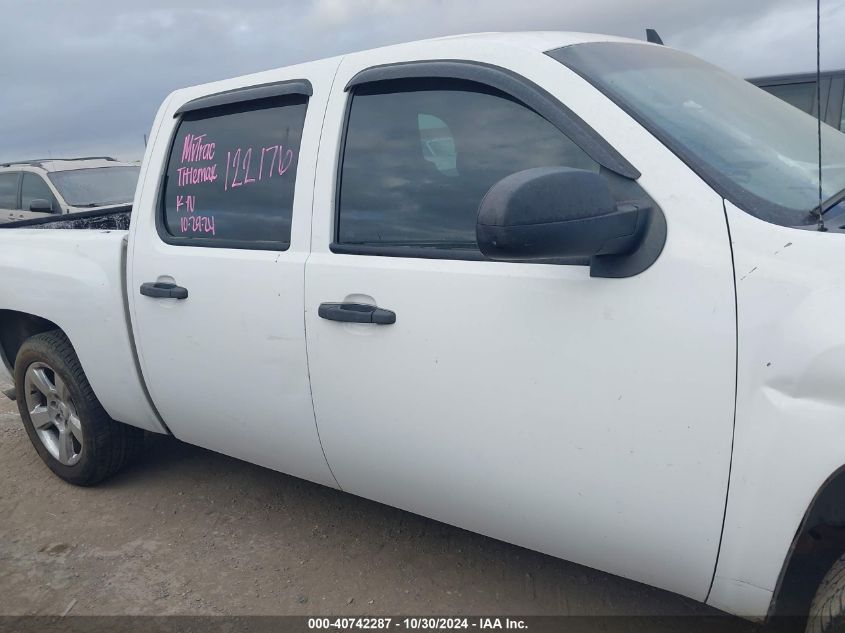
{"type": "Point", "coordinates": [116, 219]}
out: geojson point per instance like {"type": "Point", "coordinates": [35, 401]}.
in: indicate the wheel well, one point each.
{"type": "Point", "coordinates": [819, 543]}
{"type": "Point", "coordinates": [15, 328]}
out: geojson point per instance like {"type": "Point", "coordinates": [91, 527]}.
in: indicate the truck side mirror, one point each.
{"type": "Point", "coordinates": [39, 205]}
{"type": "Point", "coordinates": [557, 212]}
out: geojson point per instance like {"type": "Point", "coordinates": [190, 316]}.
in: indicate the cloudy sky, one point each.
{"type": "Point", "coordinates": [86, 76]}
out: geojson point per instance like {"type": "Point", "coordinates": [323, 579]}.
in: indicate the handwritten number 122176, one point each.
{"type": "Point", "coordinates": [273, 160]}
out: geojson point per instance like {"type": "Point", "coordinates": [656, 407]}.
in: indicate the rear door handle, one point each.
{"type": "Point", "coordinates": [356, 313]}
{"type": "Point", "coordinates": [163, 290]}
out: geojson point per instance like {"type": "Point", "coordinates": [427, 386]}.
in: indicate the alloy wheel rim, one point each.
{"type": "Point", "coordinates": [53, 413]}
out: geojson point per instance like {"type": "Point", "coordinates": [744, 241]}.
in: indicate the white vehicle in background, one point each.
{"type": "Point", "coordinates": [35, 189]}
{"type": "Point", "coordinates": [802, 91]}
{"type": "Point", "coordinates": [598, 320]}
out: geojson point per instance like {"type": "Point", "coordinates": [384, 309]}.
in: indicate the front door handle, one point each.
{"type": "Point", "coordinates": [356, 313]}
{"type": "Point", "coordinates": [163, 290]}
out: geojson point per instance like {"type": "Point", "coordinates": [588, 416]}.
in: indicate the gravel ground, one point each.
{"type": "Point", "coordinates": [188, 531]}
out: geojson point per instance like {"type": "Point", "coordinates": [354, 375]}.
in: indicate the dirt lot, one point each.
{"type": "Point", "coordinates": [188, 531]}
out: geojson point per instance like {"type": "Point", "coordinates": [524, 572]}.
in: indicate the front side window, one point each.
{"type": "Point", "coordinates": [33, 187]}
{"type": "Point", "coordinates": [420, 155]}
{"type": "Point", "coordinates": [96, 187]}
{"type": "Point", "coordinates": [755, 150]}
{"type": "Point", "coordinates": [9, 190]}
{"type": "Point", "coordinates": [231, 174]}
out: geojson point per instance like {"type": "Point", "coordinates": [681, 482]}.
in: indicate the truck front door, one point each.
{"type": "Point", "coordinates": [587, 418]}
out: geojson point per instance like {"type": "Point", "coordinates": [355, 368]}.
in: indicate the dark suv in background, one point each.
{"type": "Point", "coordinates": [800, 91]}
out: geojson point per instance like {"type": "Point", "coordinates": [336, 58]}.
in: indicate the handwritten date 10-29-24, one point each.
{"type": "Point", "coordinates": [273, 160]}
{"type": "Point", "coordinates": [197, 224]}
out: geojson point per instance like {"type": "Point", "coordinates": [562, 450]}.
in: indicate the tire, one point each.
{"type": "Point", "coordinates": [827, 611]}
{"type": "Point", "coordinates": [66, 424]}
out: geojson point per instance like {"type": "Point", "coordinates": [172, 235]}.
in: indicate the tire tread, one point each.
{"type": "Point", "coordinates": [827, 611]}
{"type": "Point", "coordinates": [114, 444]}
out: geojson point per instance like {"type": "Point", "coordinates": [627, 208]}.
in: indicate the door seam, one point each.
{"type": "Point", "coordinates": [736, 395]}
{"type": "Point", "coordinates": [304, 276]}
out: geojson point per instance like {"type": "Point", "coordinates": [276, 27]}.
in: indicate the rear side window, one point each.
{"type": "Point", "coordinates": [33, 187]}
{"type": "Point", "coordinates": [231, 174]}
{"type": "Point", "coordinates": [420, 155]}
{"type": "Point", "coordinates": [9, 190]}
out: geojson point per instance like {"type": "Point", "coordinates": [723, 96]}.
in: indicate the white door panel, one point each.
{"type": "Point", "coordinates": [227, 367]}
{"type": "Point", "coordinates": [531, 403]}
{"type": "Point", "coordinates": [586, 418]}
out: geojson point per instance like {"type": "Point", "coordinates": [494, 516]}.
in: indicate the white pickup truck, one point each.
{"type": "Point", "coordinates": [569, 291]}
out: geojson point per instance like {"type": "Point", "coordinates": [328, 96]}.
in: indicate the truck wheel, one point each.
{"type": "Point", "coordinates": [827, 611]}
{"type": "Point", "coordinates": [65, 422]}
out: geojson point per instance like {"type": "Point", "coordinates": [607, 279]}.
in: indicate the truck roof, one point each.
{"type": "Point", "coordinates": [537, 40]}
{"type": "Point", "coordinates": [540, 41]}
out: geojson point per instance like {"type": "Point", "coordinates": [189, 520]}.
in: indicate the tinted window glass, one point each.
{"type": "Point", "coordinates": [34, 188]}
{"type": "Point", "coordinates": [9, 190]}
{"type": "Point", "coordinates": [420, 156]}
{"type": "Point", "coordinates": [753, 149]}
{"type": "Point", "coordinates": [232, 170]}
{"type": "Point", "coordinates": [799, 95]}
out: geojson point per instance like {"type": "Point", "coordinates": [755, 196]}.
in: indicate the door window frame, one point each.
{"type": "Point", "coordinates": [527, 93]}
{"type": "Point", "coordinates": [290, 87]}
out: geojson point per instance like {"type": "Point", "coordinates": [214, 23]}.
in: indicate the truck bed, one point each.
{"type": "Point", "coordinates": [76, 280]}
{"type": "Point", "coordinates": [114, 219]}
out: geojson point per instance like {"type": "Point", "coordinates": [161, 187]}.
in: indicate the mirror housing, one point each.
{"type": "Point", "coordinates": [551, 213]}
{"type": "Point", "coordinates": [39, 205]}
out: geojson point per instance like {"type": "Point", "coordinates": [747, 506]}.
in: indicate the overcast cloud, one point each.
{"type": "Point", "coordinates": [86, 77]}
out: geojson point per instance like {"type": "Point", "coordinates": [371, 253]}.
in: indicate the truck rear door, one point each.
{"type": "Point", "coordinates": [217, 270]}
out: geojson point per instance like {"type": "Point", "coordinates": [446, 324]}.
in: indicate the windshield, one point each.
{"type": "Point", "coordinates": [754, 149]}
{"type": "Point", "coordinates": [97, 187]}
